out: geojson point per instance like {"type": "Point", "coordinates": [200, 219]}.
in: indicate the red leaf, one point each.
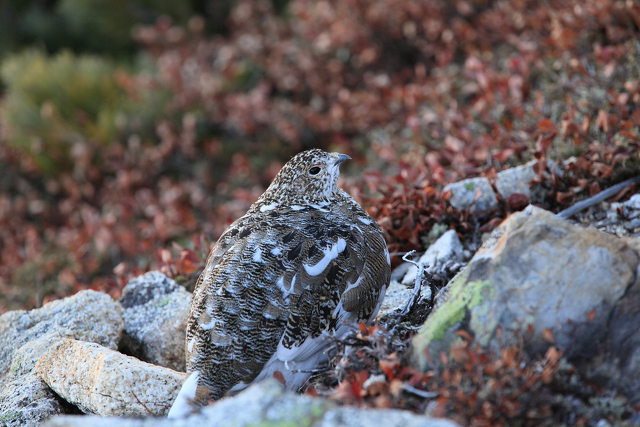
{"type": "Point", "coordinates": [629, 135]}
{"type": "Point", "coordinates": [464, 335]}
{"type": "Point", "coordinates": [602, 120]}
{"type": "Point", "coordinates": [547, 126]}
{"type": "Point", "coordinates": [517, 201]}
{"type": "Point", "coordinates": [279, 376]}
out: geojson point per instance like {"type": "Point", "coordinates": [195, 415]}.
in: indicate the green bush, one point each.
{"type": "Point", "coordinates": [54, 102]}
{"type": "Point", "coordinates": [105, 25]}
{"type": "Point", "coordinates": [99, 26]}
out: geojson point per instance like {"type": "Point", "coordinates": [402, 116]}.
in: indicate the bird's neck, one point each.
{"type": "Point", "coordinates": [269, 201]}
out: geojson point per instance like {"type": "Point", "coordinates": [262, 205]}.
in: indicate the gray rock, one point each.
{"type": "Point", "coordinates": [267, 403]}
{"type": "Point", "coordinates": [475, 194]}
{"type": "Point", "coordinates": [616, 364]}
{"type": "Point", "coordinates": [633, 206]}
{"type": "Point", "coordinates": [25, 400]}
{"type": "Point", "coordinates": [395, 299]}
{"type": "Point", "coordinates": [155, 310]}
{"type": "Point", "coordinates": [88, 315]}
{"type": "Point", "coordinates": [357, 417]}
{"type": "Point", "coordinates": [619, 218]}
{"type": "Point", "coordinates": [518, 179]}
{"type": "Point", "coordinates": [446, 248]}
{"type": "Point", "coordinates": [26, 335]}
{"type": "Point", "coordinates": [624, 217]}
{"type": "Point", "coordinates": [398, 273]}
{"type": "Point", "coordinates": [540, 270]}
{"type": "Point", "coordinates": [104, 382]}
{"type": "Point", "coordinates": [515, 180]}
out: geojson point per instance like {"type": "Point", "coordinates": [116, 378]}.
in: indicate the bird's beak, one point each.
{"type": "Point", "coordinates": [341, 158]}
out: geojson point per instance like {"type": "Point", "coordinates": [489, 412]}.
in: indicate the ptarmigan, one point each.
{"type": "Point", "coordinates": [303, 266]}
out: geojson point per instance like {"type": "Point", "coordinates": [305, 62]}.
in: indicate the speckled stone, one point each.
{"type": "Point", "coordinates": [267, 403]}
{"type": "Point", "coordinates": [475, 194]}
{"type": "Point", "coordinates": [26, 400]}
{"type": "Point", "coordinates": [88, 315]}
{"type": "Point", "coordinates": [538, 272]}
{"type": "Point", "coordinates": [155, 310]}
{"type": "Point", "coordinates": [102, 381]}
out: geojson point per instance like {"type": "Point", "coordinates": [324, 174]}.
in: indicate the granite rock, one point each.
{"type": "Point", "coordinates": [102, 381]}
{"type": "Point", "coordinates": [155, 310]}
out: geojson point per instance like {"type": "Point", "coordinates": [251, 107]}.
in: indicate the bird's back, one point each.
{"type": "Point", "coordinates": [278, 283]}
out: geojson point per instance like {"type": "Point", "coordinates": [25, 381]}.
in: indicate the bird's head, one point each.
{"type": "Point", "coordinates": [309, 177]}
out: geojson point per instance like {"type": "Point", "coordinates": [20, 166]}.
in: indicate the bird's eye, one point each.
{"type": "Point", "coordinates": [315, 170]}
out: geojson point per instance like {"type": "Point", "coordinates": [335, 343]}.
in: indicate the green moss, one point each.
{"type": "Point", "coordinates": [38, 277]}
{"type": "Point", "coordinates": [463, 297]}
{"type": "Point", "coordinates": [282, 423]}
{"type": "Point", "coordinates": [9, 416]}
{"type": "Point", "coordinates": [454, 310]}
{"type": "Point", "coordinates": [15, 364]}
{"type": "Point", "coordinates": [163, 302]}
{"type": "Point", "coordinates": [317, 411]}
{"type": "Point", "coordinates": [302, 416]}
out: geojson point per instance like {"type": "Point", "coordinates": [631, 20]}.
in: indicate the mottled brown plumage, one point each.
{"type": "Point", "coordinates": [303, 265]}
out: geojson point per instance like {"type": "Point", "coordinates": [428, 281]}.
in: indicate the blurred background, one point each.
{"type": "Point", "coordinates": [132, 132]}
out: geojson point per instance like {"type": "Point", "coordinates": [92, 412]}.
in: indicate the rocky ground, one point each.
{"type": "Point", "coordinates": [536, 326]}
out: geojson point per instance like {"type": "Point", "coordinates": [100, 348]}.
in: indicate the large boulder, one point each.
{"type": "Point", "coordinates": [155, 310]}
{"type": "Point", "coordinates": [89, 315]}
{"type": "Point", "coordinates": [267, 403]}
{"type": "Point", "coordinates": [541, 278]}
{"type": "Point", "coordinates": [102, 381]}
{"type": "Point", "coordinates": [25, 400]}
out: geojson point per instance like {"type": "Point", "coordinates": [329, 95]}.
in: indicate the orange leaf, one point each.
{"type": "Point", "coordinates": [165, 255]}
{"type": "Point", "coordinates": [628, 135]}
{"type": "Point", "coordinates": [602, 121]}
{"type": "Point", "coordinates": [553, 355]}
{"type": "Point", "coordinates": [459, 353]}
{"type": "Point", "coordinates": [279, 376]}
{"type": "Point", "coordinates": [395, 388]}
{"type": "Point", "coordinates": [464, 335]}
{"type": "Point", "coordinates": [547, 334]}
{"type": "Point", "coordinates": [546, 126]}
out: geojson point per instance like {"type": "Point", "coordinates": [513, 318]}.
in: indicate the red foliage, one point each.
{"type": "Point", "coordinates": [419, 93]}
{"type": "Point", "coordinates": [469, 385]}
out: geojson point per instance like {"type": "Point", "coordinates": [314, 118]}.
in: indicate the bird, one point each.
{"type": "Point", "coordinates": [297, 272]}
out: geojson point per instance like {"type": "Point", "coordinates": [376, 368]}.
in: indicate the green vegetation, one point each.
{"type": "Point", "coordinates": [100, 26]}
{"type": "Point", "coordinates": [56, 103]}
{"type": "Point", "coordinates": [132, 132]}
{"type": "Point", "coordinates": [123, 133]}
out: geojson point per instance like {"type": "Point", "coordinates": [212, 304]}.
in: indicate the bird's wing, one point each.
{"type": "Point", "coordinates": [229, 239]}
{"type": "Point", "coordinates": [340, 277]}
{"type": "Point", "coordinates": [274, 285]}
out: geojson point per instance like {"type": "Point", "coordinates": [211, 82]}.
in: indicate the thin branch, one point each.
{"type": "Point", "coordinates": [143, 405]}
{"type": "Point", "coordinates": [416, 283]}
{"type": "Point", "coordinates": [422, 393]}
{"type": "Point", "coordinates": [603, 195]}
